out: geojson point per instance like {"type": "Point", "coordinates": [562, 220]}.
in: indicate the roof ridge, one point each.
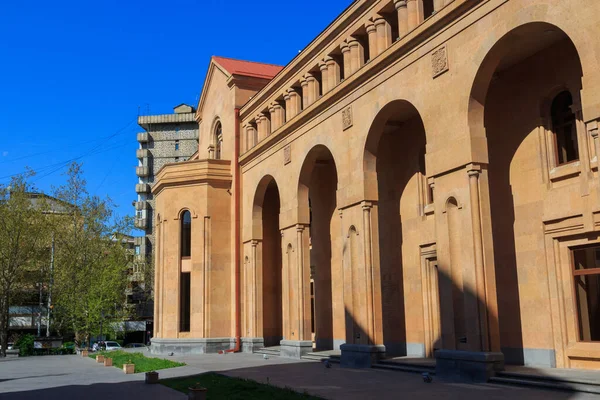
{"type": "Point", "coordinates": [249, 61]}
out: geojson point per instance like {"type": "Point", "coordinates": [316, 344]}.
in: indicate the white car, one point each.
{"type": "Point", "coordinates": [112, 346]}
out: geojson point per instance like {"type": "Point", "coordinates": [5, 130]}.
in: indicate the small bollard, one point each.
{"type": "Point", "coordinates": [84, 353]}
{"type": "Point", "coordinates": [197, 393]}
{"type": "Point", "coordinates": [129, 368]}
{"type": "Point", "coordinates": [99, 358]}
{"type": "Point", "coordinates": [151, 377]}
{"type": "Point", "coordinates": [108, 362]}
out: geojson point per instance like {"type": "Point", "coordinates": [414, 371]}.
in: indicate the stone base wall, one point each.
{"type": "Point", "coordinates": [191, 346]}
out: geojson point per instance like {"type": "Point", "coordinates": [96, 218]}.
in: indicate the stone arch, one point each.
{"type": "Point", "coordinates": [317, 202]}
{"type": "Point", "coordinates": [396, 182]}
{"type": "Point", "coordinates": [265, 221]}
{"type": "Point", "coordinates": [531, 37]}
{"type": "Point", "coordinates": [521, 71]}
{"type": "Point", "coordinates": [394, 112]}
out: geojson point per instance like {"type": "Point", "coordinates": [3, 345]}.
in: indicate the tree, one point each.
{"type": "Point", "coordinates": [92, 262]}
{"type": "Point", "coordinates": [23, 245]}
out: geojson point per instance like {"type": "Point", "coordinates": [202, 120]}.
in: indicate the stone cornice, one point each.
{"type": "Point", "coordinates": [214, 172]}
{"type": "Point", "coordinates": [391, 55]}
{"type": "Point", "coordinates": [312, 50]}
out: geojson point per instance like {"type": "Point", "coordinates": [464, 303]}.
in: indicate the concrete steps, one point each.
{"type": "Point", "coordinates": [404, 367]}
{"type": "Point", "coordinates": [319, 356]}
{"type": "Point", "coordinates": [270, 351]}
{"type": "Point", "coordinates": [572, 384]}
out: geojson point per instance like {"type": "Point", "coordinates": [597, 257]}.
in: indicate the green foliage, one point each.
{"type": "Point", "coordinates": [24, 239]}
{"type": "Point", "coordinates": [142, 363]}
{"type": "Point", "coordinates": [224, 387]}
{"type": "Point", "coordinates": [25, 345]}
{"type": "Point", "coordinates": [90, 283]}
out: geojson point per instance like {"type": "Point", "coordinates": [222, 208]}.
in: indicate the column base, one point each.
{"type": "Point", "coordinates": [251, 344]}
{"type": "Point", "coordinates": [467, 366]}
{"type": "Point", "coordinates": [361, 355]}
{"type": "Point", "coordinates": [190, 346]}
{"type": "Point", "coordinates": [295, 348]}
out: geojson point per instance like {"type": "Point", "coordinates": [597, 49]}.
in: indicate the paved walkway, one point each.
{"type": "Point", "coordinates": [74, 377]}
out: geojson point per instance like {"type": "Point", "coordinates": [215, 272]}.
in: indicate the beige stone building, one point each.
{"type": "Point", "coordinates": [422, 176]}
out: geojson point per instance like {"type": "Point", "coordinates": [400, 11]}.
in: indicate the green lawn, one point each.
{"type": "Point", "coordinates": [142, 363]}
{"type": "Point", "coordinates": [224, 387]}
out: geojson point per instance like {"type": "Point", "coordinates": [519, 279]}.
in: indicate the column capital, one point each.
{"type": "Point", "coordinates": [378, 20]}
{"type": "Point", "coordinates": [399, 4]}
{"type": "Point", "coordinates": [370, 27]}
{"type": "Point", "coordinates": [291, 92]}
{"type": "Point", "coordinates": [254, 242]}
{"type": "Point", "coordinates": [593, 128]}
{"type": "Point", "coordinates": [366, 205]}
{"type": "Point", "coordinates": [271, 108]}
{"type": "Point", "coordinates": [300, 227]}
{"type": "Point", "coordinates": [323, 66]}
{"type": "Point", "coordinates": [344, 47]}
{"type": "Point", "coordinates": [353, 42]}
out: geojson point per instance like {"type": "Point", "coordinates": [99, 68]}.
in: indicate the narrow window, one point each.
{"type": "Point", "coordinates": [186, 234]}
{"type": "Point", "coordinates": [586, 277]}
{"type": "Point", "coordinates": [218, 141]}
{"type": "Point", "coordinates": [564, 129]}
{"type": "Point", "coordinates": [184, 302]}
{"type": "Point", "coordinates": [177, 145]}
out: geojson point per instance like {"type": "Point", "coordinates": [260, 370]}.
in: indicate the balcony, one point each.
{"type": "Point", "coordinates": [142, 137]}
{"type": "Point", "coordinates": [142, 171]}
{"type": "Point", "coordinates": [139, 240]}
{"type": "Point", "coordinates": [140, 223]}
{"type": "Point", "coordinates": [141, 153]}
{"type": "Point", "coordinates": [142, 188]}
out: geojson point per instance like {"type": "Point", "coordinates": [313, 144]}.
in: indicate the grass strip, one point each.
{"type": "Point", "coordinates": [225, 387]}
{"type": "Point", "coordinates": [142, 363]}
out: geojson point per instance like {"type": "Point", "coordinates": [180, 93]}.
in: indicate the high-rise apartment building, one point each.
{"type": "Point", "coordinates": [167, 138]}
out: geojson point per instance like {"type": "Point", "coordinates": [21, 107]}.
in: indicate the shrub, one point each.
{"type": "Point", "coordinates": [25, 345]}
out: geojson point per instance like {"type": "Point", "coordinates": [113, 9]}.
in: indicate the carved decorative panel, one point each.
{"type": "Point", "coordinates": [439, 61]}
{"type": "Point", "coordinates": [287, 154]}
{"type": "Point", "coordinates": [347, 117]}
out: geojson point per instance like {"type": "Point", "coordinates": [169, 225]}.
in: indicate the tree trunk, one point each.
{"type": "Point", "coordinates": [4, 323]}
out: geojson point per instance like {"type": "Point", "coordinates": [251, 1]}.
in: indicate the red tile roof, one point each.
{"type": "Point", "coordinates": [248, 68]}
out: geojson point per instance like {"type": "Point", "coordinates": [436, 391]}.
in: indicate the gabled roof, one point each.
{"type": "Point", "coordinates": [247, 68]}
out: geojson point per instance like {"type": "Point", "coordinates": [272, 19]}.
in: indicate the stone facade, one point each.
{"type": "Point", "coordinates": [423, 176]}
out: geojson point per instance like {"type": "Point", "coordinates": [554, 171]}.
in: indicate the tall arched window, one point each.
{"type": "Point", "coordinates": [564, 129]}
{"type": "Point", "coordinates": [186, 234]}
{"type": "Point", "coordinates": [218, 141]}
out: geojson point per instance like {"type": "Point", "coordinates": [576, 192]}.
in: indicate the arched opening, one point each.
{"type": "Point", "coordinates": [317, 198]}
{"type": "Point", "coordinates": [266, 210]}
{"type": "Point", "coordinates": [395, 163]}
{"type": "Point", "coordinates": [185, 276]}
{"type": "Point", "coordinates": [186, 234]}
{"type": "Point", "coordinates": [525, 102]}
{"type": "Point", "coordinates": [218, 141]}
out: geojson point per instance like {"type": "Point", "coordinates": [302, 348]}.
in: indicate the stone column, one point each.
{"type": "Point", "coordinates": [266, 124]}
{"type": "Point", "coordinates": [288, 105]}
{"type": "Point", "coordinates": [366, 207]}
{"type": "Point", "coordinates": [324, 77]}
{"type": "Point", "coordinates": [384, 34]}
{"type": "Point", "coordinates": [437, 5]}
{"type": "Point", "coordinates": [372, 35]}
{"type": "Point", "coordinates": [480, 285]}
{"type": "Point", "coordinates": [593, 129]}
{"type": "Point", "coordinates": [412, 8]}
{"type": "Point", "coordinates": [295, 103]}
{"type": "Point", "coordinates": [402, 17]}
{"type": "Point", "coordinates": [313, 88]}
{"type": "Point", "coordinates": [301, 296]}
{"type": "Point", "coordinates": [259, 128]}
{"type": "Point", "coordinates": [274, 118]}
{"type": "Point", "coordinates": [357, 54]}
{"type": "Point", "coordinates": [333, 69]}
{"type": "Point", "coordinates": [254, 243]}
{"type": "Point", "coordinates": [211, 151]}
{"type": "Point", "coordinates": [304, 85]}
{"type": "Point", "coordinates": [280, 114]}
{"type": "Point", "coordinates": [346, 59]}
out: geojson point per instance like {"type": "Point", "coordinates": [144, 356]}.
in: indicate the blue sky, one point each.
{"type": "Point", "coordinates": [73, 74]}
